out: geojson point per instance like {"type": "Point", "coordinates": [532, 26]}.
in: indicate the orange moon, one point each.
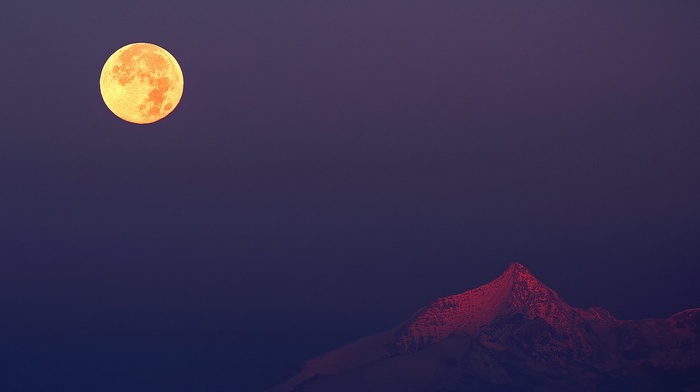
{"type": "Point", "coordinates": [141, 83]}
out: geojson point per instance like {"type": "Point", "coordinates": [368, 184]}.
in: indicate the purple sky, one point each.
{"type": "Point", "coordinates": [330, 169]}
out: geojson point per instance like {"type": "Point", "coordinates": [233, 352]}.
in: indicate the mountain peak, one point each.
{"type": "Point", "coordinates": [515, 291]}
{"type": "Point", "coordinates": [513, 333]}
{"type": "Point", "coordinates": [519, 281]}
{"type": "Point", "coordinates": [516, 268]}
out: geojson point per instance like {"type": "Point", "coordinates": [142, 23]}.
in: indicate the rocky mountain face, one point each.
{"type": "Point", "coordinates": [514, 334]}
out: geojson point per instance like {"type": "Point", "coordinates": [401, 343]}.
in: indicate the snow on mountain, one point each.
{"type": "Point", "coordinates": [513, 333]}
{"type": "Point", "coordinates": [516, 291]}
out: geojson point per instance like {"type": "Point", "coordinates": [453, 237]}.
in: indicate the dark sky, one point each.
{"type": "Point", "coordinates": [332, 167]}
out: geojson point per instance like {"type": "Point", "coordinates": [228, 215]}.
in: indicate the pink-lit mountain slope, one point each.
{"type": "Point", "coordinates": [513, 334]}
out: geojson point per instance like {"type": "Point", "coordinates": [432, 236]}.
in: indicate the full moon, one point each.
{"type": "Point", "coordinates": [141, 83]}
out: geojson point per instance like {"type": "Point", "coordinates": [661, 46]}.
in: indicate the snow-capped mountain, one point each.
{"type": "Point", "coordinates": [515, 293]}
{"type": "Point", "coordinates": [514, 334]}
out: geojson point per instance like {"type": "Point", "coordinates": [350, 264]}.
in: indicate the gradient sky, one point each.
{"type": "Point", "coordinates": [332, 167]}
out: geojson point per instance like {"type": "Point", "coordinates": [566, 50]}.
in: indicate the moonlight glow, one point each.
{"type": "Point", "coordinates": [141, 83]}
